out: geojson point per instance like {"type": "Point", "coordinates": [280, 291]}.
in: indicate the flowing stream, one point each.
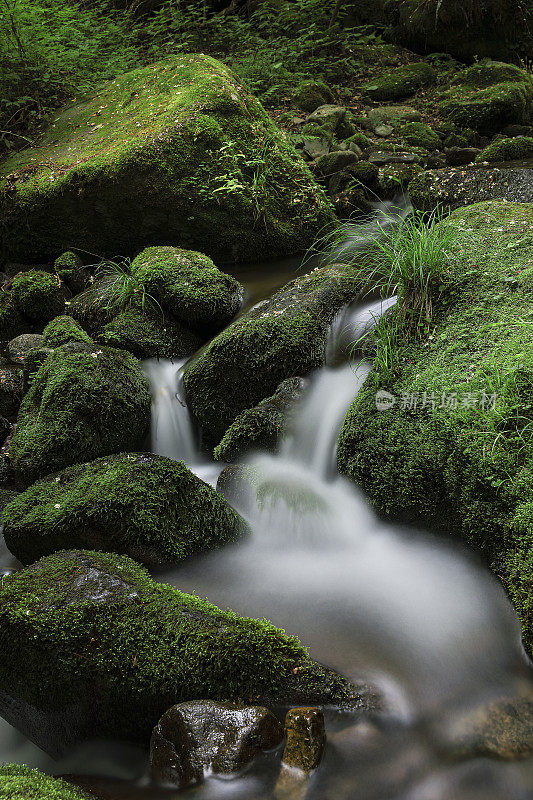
{"type": "Point", "coordinates": [412, 614]}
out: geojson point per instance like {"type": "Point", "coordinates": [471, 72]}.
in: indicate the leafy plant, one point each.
{"type": "Point", "coordinates": [119, 290]}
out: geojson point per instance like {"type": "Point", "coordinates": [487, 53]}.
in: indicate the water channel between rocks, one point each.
{"type": "Point", "coordinates": [411, 613]}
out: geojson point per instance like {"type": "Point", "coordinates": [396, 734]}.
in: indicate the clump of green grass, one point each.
{"type": "Point", "coordinates": [120, 290]}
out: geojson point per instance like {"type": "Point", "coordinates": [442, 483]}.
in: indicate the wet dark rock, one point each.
{"type": "Point", "coordinates": [91, 646]}
{"type": "Point", "coordinates": [194, 737]}
{"type": "Point", "coordinates": [458, 156]}
{"type": "Point", "coordinates": [19, 347]}
{"type": "Point", "coordinates": [146, 506]}
{"type": "Point", "coordinates": [306, 738]}
{"type": "Point", "coordinates": [454, 188]}
{"type": "Point", "coordinates": [11, 390]}
{"type": "Point", "coordinates": [6, 428]}
{"type": "Point", "coordinates": [499, 728]}
{"type": "Point", "coordinates": [261, 427]}
{"type": "Point", "coordinates": [149, 334]}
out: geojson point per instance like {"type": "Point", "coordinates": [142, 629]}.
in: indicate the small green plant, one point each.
{"type": "Point", "coordinates": [119, 290]}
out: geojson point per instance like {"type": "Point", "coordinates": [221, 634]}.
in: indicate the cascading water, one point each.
{"type": "Point", "coordinates": [410, 613]}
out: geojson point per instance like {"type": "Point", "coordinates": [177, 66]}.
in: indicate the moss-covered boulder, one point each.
{"type": "Point", "coordinates": [261, 427]}
{"type": "Point", "coordinates": [418, 134]}
{"type": "Point", "coordinates": [455, 450]}
{"type": "Point", "coordinates": [178, 152]}
{"type": "Point", "coordinates": [84, 402]}
{"type": "Point", "coordinates": [62, 330]}
{"type": "Point", "coordinates": [309, 95]}
{"type": "Point", "coordinates": [12, 321]}
{"type": "Point", "coordinates": [138, 504]}
{"type": "Point", "coordinates": [11, 390]}
{"type": "Point", "coordinates": [90, 635]}
{"type": "Point", "coordinates": [91, 307]}
{"type": "Point", "coordinates": [280, 338]}
{"type": "Point", "coordinates": [400, 82]}
{"type": "Point", "coordinates": [22, 783]}
{"type": "Point", "coordinates": [149, 334]}
{"type": "Point", "coordinates": [487, 97]}
{"type": "Point", "coordinates": [38, 295]}
{"type": "Point", "coordinates": [514, 149]}
{"type": "Point", "coordinates": [187, 283]}
{"type": "Point", "coordinates": [453, 188]}
{"type": "Point", "coordinates": [69, 269]}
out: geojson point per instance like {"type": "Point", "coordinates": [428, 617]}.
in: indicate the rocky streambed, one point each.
{"type": "Point", "coordinates": [408, 677]}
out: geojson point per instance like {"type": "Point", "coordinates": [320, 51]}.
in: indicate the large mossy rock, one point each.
{"type": "Point", "coordinates": [89, 637]}
{"type": "Point", "coordinates": [22, 783]}
{"type": "Point", "coordinates": [455, 449]}
{"type": "Point", "coordinates": [450, 189]}
{"type": "Point", "coordinates": [83, 403]}
{"type": "Point", "coordinates": [280, 338]}
{"type": "Point", "coordinates": [464, 28]}
{"type": "Point", "coordinates": [489, 96]}
{"type": "Point", "coordinates": [151, 333]}
{"type": "Point", "coordinates": [178, 152]}
{"type": "Point", "coordinates": [39, 295]}
{"type": "Point", "coordinates": [187, 283]}
{"type": "Point", "coordinates": [138, 504]}
{"type": "Point", "coordinates": [400, 82]}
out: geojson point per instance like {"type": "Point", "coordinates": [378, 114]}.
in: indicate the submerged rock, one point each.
{"type": "Point", "coordinates": [92, 646]}
{"type": "Point", "coordinates": [17, 781]}
{"type": "Point", "coordinates": [280, 338]}
{"type": "Point", "coordinates": [453, 452]}
{"type": "Point", "coordinates": [187, 283]}
{"type": "Point", "coordinates": [199, 736]}
{"type": "Point", "coordinates": [139, 504]}
{"type": "Point", "coordinates": [306, 738]}
{"type": "Point", "coordinates": [454, 188]}
{"type": "Point", "coordinates": [177, 152]}
{"type": "Point", "coordinates": [83, 403]}
{"type": "Point", "coordinates": [260, 427]}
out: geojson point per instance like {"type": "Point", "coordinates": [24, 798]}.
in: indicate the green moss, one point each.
{"type": "Point", "coordinates": [394, 178]}
{"type": "Point", "coordinates": [487, 97]}
{"type": "Point", "coordinates": [463, 467]}
{"type": "Point", "coordinates": [12, 322]}
{"type": "Point", "coordinates": [94, 629]}
{"type": "Point", "coordinates": [178, 152]}
{"type": "Point", "coordinates": [189, 285]}
{"type": "Point", "coordinates": [260, 427]}
{"type": "Point", "coordinates": [138, 504]}
{"type": "Point", "coordinates": [360, 140]}
{"type": "Point", "coordinates": [365, 172]}
{"type": "Point", "coordinates": [514, 149]}
{"type": "Point", "coordinates": [149, 334]}
{"type": "Point", "coordinates": [309, 95]}
{"type": "Point", "coordinates": [22, 783]}
{"type": "Point", "coordinates": [418, 134]}
{"type": "Point", "coordinates": [317, 131]}
{"type": "Point", "coordinates": [64, 329]}
{"type": "Point", "coordinates": [400, 82]}
{"type": "Point", "coordinates": [6, 496]}
{"type": "Point", "coordinates": [38, 295]}
{"type": "Point", "coordinates": [89, 307]}
{"type": "Point", "coordinates": [11, 390]}
{"type": "Point", "coordinates": [83, 403]}
{"type": "Point", "coordinates": [280, 338]}
{"type": "Point", "coordinates": [69, 269]}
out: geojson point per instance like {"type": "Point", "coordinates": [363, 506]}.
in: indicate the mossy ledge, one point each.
{"type": "Point", "coordinates": [280, 338]}
{"type": "Point", "coordinates": [22, 783]}
{"type": "Point", "coordinates": [462, 468]}
{"type": "Point", "coordinates": [178, 152]}
{"type": "Point", "coordinates": [139, 504]}
{"type": "Point", "coordinates": [93, 632]}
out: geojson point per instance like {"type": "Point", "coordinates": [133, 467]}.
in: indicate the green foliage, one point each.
{"type": "Point", "coordinates": [19, 782]}
{"type": "Point", "coordinates": [119, 289]}
{"type": "Point", "coordinates": [53, 50]}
